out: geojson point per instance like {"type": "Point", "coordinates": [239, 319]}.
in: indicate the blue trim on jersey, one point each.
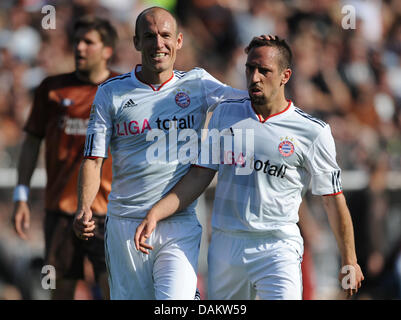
{"type": "Point", "coordinates": [107, 256]}
{"type": "Point", "coordinates": [179, 74]}
{"type": "Point", "coordinates": [86, 145]}
{"type": "Point", "coordinates": [309, 117]}
{"type": "Point", "coordinates": [120, 77]}
{"type": "Point", "coordinates": [89, 145]}
{"type": "Point", "coordinates": [234, 100]}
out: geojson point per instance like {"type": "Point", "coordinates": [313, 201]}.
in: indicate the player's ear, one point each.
{"type": "Point", "coordinates": [180, 39]}
{"type": "Point", "coordinates": [285, 76]}
{"type": "Point", "coordinates": [107, 52]}
{"type": "Point", "coordinates": [136, 43]}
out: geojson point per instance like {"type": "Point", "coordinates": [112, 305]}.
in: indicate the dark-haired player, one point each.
{"type": "Point", "coordinates": [256, 246]}
{"type": "Point", "coordinates": [60, 115]}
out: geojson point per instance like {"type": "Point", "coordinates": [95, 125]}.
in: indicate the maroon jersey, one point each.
{"type": "Point", "coordinates": [60, 115]}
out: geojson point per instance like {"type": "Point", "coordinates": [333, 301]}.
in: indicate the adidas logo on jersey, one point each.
{"type": "Point", "coordinates": [129, 104]}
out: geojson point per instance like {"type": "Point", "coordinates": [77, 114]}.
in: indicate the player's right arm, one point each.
{"type": "Point", "coordinates": [98, 135]}
{"type": "Point", "coordinates": [26, 165]}
{"type": "Point", "coordinates": [186, 191]}
{"type": "Point", "coordinates": [88, 186]}
{"type": "Point", "coordinates": [35, 129]}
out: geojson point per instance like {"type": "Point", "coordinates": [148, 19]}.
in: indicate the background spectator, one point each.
{"type": "Point", "coordinates": [350, 78]}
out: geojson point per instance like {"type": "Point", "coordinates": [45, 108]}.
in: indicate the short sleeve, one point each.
{"type": "Point", "coordinates": [36, 123]}
{"type": "Point", "coordinates": [215, 91]}
{"type": "Point", "coordinates": [100, 126]}
{"type": "Point", "coordinates": [322, 165]}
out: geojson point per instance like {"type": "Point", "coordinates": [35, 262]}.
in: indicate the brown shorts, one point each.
{"type": "Point", "coordinates": [66, 252]}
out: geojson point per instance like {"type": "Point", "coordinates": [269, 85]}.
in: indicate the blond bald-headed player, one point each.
{"type": "Point", "coordinates": [154, 104]}
{"type": "Point", "coordinates": [256, 247]}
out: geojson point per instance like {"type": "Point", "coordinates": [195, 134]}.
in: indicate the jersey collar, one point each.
{"type": "Point", "coordinates": [276, 116]}
{"type": "Point", "coordinates": [135, 78]}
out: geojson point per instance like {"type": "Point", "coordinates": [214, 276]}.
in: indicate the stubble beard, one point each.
{"type": "Point", "coordinates": [258, 100]}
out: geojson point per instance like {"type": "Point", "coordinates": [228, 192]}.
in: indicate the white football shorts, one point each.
{"type": "Point", "coordinates": [243, 266]}
{"type": "Point", "coordinates": [169, 272]}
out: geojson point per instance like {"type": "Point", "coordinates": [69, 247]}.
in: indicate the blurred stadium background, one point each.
{"type": "Point", "coordinates": [351, 78]}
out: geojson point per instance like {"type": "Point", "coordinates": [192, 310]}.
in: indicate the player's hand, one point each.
{"type": "Point", "coordinates": [21, 218]}
{"type": "Point", "coordinates": [83, 224]}
{"type": "Point", "coordinates": [354, 280]}
{"type": "Point", "coordinates": [262, 37]}
{"type": "Point", "coordinates": [143, 232]}
{"type": "Point", "coordinates": [268, 37]}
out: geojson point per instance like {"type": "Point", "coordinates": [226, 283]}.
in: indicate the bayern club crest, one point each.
{"type": "Point", "coordinates": [182, 99]}
{"type": "Point", "coordinates": [286, 148]}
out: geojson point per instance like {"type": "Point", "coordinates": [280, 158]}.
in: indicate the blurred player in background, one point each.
{"type": "Point", "coordinates": [59, 115]}
{"type": "Point", "coordinates": [152, 99]}
{"type": "Point", "coordinates": [256, 246]}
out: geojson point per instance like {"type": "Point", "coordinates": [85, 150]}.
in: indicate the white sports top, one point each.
{"type": "Point", "coordinates": [134, 118]}
{"type": "Point", "coordinates": [261, 180]}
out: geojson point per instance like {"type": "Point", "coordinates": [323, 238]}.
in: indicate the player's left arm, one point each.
{"type": "Point", "coordinates": [186, 191]}
{"type": "Point", "coordinates": [341, 224]}
{"type": "Point", "coordinates": [326, 181]}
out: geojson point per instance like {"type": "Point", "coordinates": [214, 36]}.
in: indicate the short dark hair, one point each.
{"type": "Point", "coordinates": [107, 33]}
{"type": "Point", "coordinates": [285, 59]}
{"type": "Point", "coordinates": [139, 17]}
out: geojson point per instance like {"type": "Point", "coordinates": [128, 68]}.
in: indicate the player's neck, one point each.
{"type": "Point", "coordinates": [151, 77]}
{"type": "Point", "coordinates": [271, 107]}
{"type": "Point", "coordinates": [93, 76]}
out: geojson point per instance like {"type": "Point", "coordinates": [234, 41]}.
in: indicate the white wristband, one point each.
{"type": "Point", "coordinates": [21, 193]}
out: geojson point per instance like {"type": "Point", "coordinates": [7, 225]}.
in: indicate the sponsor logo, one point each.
{"type": "Point", "coordinates": [132, 127]}
{"type": "Point", "coordinates": [270, 169]}
{"type": "Point", "coordinates": [136, 127]}
{"type": "Point", "coordinates": [176, 123]}
{"type": "Point", "coordinates": [182, 98]}
{"type": "Point", "coordinates": [286, 147]}
{"type": "Point", "coordinates": [232, 159]}
{"type": "Point", "coordinates": [73, 126]}
{"type": "Point", "coordinates": [240, 160]}
{"type": "Point", "coordinates": [183, 146]}
{"type": "Point", "coordinates": [129, 104]}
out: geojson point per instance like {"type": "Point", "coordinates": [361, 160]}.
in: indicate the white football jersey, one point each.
{"type": "Point", "coordinates": [267, 167]}
{"type": "Point", "coordinates": [133, 117]}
